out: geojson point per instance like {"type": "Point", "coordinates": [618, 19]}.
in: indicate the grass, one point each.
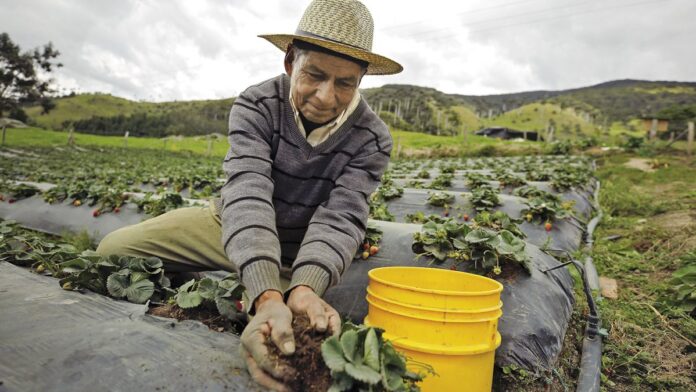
{"type": "Point", "coordinates": [35, 137]}
{"type": "Point", "coordinates": [651, 213]}
{"type": "Point", "coordinates": [534, 117]}
{"type": "Point", "coordinates": [412, 143]}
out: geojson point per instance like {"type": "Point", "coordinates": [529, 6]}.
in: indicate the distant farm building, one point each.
{"type": "Point", "coordinates": [662, 124]}
{"type": "Point", "coordinates": [508, 133]}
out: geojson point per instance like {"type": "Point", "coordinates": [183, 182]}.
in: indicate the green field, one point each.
{"type": "Point", "coordinates": [412, 143]}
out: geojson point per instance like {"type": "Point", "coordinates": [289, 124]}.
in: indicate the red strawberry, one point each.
{"type": "Point", "coordinates": [466, 217]}
{"type": "Point", "coordinates": [11, 201]}
{"type": "Point", "coordinates": [547, 226]}
{"type": "Point", "coordinates": [239, 305]}
{"type": "Point", "coordinates": [453, 267]}
{"type": "Point", "coordinates": [373, 250]}
{"type": "Point", "coordinates": [117, 210]}
{"type": "Point", "coordinates": [366, 246]}
{"type": "Point", "coordinates": [96, 213]}
{"type": "Point", "coordinates": [2, 197]}
{"type": "Point", "coordinates": [446, 213]}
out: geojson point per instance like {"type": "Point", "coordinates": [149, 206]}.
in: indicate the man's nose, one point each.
{"type": "Point", "coordinates": [326, 94]}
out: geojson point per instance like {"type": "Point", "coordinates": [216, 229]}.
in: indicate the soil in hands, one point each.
{"type": "Point", "coordinates": [311, 373]}
{"type": "Point", "coordinates": [207, 316]}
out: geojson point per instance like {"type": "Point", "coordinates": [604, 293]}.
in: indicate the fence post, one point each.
{"type": "Point", "coordinates": [71, 137]}
{"type": "Point", "coordinates": [690, 139]}
{"type": "Point", "coordinates": [125, 139]}
{"type": "Point", "coordinates": [653, 129]}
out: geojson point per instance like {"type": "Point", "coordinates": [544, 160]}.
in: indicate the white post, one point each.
{"type": "Point", "coordinates": [653, 129]}
{"type": "Point", "coordinates": [690, 139]}
{"type": "Point", "coordinates": [71, 137]}
{"type": "Point", "coordinates": [125, 139]}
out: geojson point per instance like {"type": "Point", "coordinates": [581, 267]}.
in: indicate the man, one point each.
{"type": "Point", "coordinates": [305, 154]}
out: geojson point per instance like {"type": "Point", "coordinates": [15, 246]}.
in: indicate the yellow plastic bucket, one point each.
{"type": "Point", "coordinates": [446, 319]}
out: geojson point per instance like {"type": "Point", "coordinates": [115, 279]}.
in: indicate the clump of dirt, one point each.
{"type": "Point", "coordinates": [311, 374]}
{"type": "Point", "coordinates": [209, 317]}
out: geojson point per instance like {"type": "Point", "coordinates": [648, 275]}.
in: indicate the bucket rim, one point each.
{"type": "Point", "coordinates": [435, 319]}
{"type": "Point", "coordinates": [412, 306]}
{"type": "Point", "coordinates": [499, 286]}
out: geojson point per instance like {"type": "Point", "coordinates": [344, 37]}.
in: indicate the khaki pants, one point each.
{"type": "Point", "coordinates": [186, 240]}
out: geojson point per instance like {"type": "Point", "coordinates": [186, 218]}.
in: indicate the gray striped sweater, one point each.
{"type": "Point", "coordinates": [286, 203]}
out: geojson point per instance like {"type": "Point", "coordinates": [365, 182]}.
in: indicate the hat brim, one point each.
{"type": "Point", "coordinates": [378, 65]}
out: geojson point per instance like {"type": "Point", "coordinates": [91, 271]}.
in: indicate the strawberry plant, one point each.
{"type": "Point", "coordinates": [530, 191]}
{"type": "Point", "coordinates": [475, 179]}
{"type": "Point", "coordinates": [484, 198]}
{"type": "Point", "coordinates": [440, 199]}
{"type": "Point", "coordinates": [423, 174]}
{"type": "Point", "coordinates": [416, 184]}
{"type": "Point", "coordinates": [133, 278]}
{"type": "Point", "coordinates": [388, 191]}
{"type": "Point", "coordinates": [420, 217]}
{"type": "Point", "coordinates": [224, 295]}
{"type": "Point", "coordinates": [379, 211]}
{"type": "Point", "coordinates": [370, 244]}
{"type": "Point", "coordinates": [485, 247]}
{"type": "Point", "coordinates": [499, 220]}
{"type": "Point", "coordinates": [540, 210]}
{"type": "Point", "coordinates": [361, 360]}
{"type": "Point", "coordinates": [158, 205]}
{"type": "Point", "coordinates": [442, 181]}
{"type": "Point", "coordinates": [18, 191]}
{"type": "Point", "coordinates": [508, 179]}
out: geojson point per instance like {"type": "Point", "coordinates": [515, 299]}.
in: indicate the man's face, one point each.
{"type": "Point", "coordinates": [324, 85]}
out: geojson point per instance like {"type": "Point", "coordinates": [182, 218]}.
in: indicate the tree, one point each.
{"type": "Point", "coordinates": [20, 82]}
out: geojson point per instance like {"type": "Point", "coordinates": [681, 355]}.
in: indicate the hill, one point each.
{"type": "Point", "coordinates": [104, 114]}
{"type": "Point", "coordinates": [595, 110]}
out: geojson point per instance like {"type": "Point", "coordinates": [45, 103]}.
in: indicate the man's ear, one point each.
{"type": "Point", "coordinates": [289, 58]}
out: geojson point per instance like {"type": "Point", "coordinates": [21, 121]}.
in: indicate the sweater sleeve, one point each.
{"type": "Point", "coordinates": [338, 226]}
{"type": "Point", "coordinates": [249, 234]}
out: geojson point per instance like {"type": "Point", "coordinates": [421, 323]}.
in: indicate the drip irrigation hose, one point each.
{"type": "Point", "coordinates": [591, 361]}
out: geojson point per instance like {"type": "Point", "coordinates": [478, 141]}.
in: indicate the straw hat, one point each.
{"type": "Point", "coordinates": [343, 26]}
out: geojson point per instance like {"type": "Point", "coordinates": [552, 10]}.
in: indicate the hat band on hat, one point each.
{"type": "Point", "coordinates": [300, 44]}
{"type": "Point", "coordinates": [312, 35]}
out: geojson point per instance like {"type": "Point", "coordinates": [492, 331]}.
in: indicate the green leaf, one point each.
{"type": "Point", "coordinates": [140, 292]}
{"type": "Point", "coordinates": [363, 373]}
{"type": "Point", "coordinates": [187, 299]}
{"type": "Point", "coordinates": [188, 286]}
{"type": "Point", "coordinates": [349, 344]}
{"type": "Point", "coordinates": [371, 355]}
{"type": "Point", "coordinates": [332, 353]}
{"type": "Point", "coordinates": [226, 307]}
{"type": "Point", "coordinates": [341, 382]}
{"type": "Point", "coordinates": [116, 284]}
{"type": "Point", "coordinates": [479, 235]}
{"type": "Point", "coordinates": [207, 288]}
{"type": "Point", "coordinates": [137, 276]}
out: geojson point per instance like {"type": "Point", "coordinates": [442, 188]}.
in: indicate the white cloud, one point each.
{"type": "Point", "coordinates": [167, 50]}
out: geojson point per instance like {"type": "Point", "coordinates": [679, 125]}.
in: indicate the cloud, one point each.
{"type": "Point", "coordinates": [177, 50]}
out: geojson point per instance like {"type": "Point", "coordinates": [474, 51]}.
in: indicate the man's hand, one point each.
{"type": "Point", "coordinates": [273, 318]}
{"type": "Point", "coordinates": [304, 301]}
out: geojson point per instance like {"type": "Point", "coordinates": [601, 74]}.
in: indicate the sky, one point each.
{"type": "Point", "coordinates": [166, 50]}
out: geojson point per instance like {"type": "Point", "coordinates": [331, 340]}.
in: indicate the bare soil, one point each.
{"type": "Point", "coordinates": [207, 316]}
{"type": "Point", "coordinates": [311, 374]}
{"type": "Point", "coordinates": [640, 164]}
